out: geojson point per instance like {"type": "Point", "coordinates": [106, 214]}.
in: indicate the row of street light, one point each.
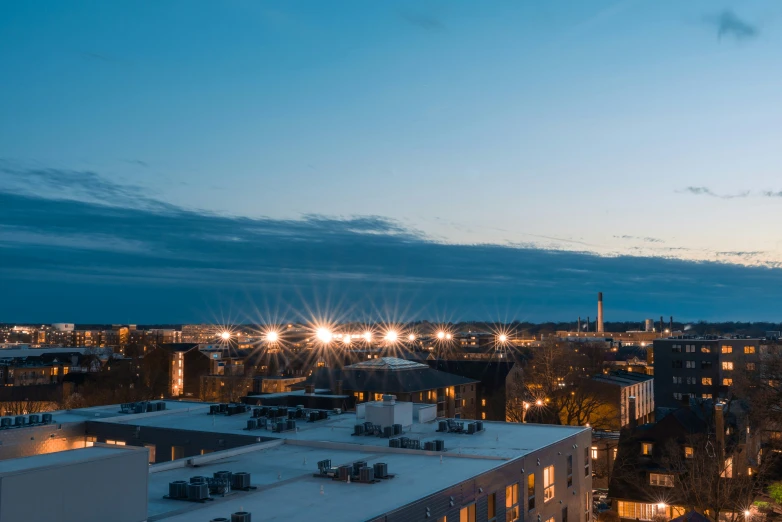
{"type": "Point", "coordinates": [326, 336]}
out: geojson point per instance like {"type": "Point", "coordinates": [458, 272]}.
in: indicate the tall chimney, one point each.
{"type": "Point", "coordinates": [631, 412]}
{"type": "Point", "coordinates": [579, 323]}
{"type": "Point", "coordinates": [600, 312]}
{"type": "Point", "coordinates": [588, 321]}
{"type": "Point", "coordinates": [662, 328]}
{"type": "Point", "coordinates": [719, 427]}
{"type": "Point", "coordinates": [671, 325]}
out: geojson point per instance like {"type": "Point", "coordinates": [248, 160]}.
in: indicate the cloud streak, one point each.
{"type": "Point", "coordinates": [706, 191]}
{"type": "Point", "coordinates": [729, 25]}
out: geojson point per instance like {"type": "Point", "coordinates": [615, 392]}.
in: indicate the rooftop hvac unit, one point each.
{"type": "Point", "coordinates": [343, 472]}
{"type": "Point", "coordinates": [394, 443]}
{"type": "Point", "coordinates": [291, 414]}
{"type": "Point", "coordinates": [366, 475]}
{"type": "Point", "coordinates": [151, 406]}
{"type": "Point", "coordinates": [177, 489]}
{"type": "Point", "coordinates": [403, 441]}
{"type": "Point", "coordinates": [429, 446]}
{"type": "Point", "coordinates": [139, 408]}
{"type": "Point", "coordinates": [223, 475]}
{"type": "Point", "coordinates": [33, 419]}
{"type": "Point", "coordinates": [223, 408]}
{"type": "Point", "coordinates": [439, 445]}
{"type": "Point", "coordinates": [291, 425]}
{"type": "Point", "coordinates": [323, 414]}
{"type": "Point", "coordinates": [232, 409]}
{"type": "Point", "coordinates": [397, 429]}
{"type": "Point", "coordinates": [337, 411]}
{"type": "Point", "coordinates": [252, 424]}
{"type": "Point", "coordinates": [262, 422]}
{"type": "Point", "coordinates": [198, 480]}
{"type": "Point", "coordinates": [471, 428]}
{"type": "Point", "coordinates": [19, 420]}
{"type": "Point", "coordinates": [358, 465]}
{"type": "Point", "coordinates": [197, 491]}
{"type": "Point", "coordinates": [279, 427]}
{"type": "Point", "coordinates": [313, 416]}
{"type": "Point", "coordinates": [478, 425]}
{"type": "Point", "coordinates": [299, 413]}
{"type": "Point", "coordinates": [442, 426]}
{"type": "Point", "coordinates": [414, 444]}
{"type": "Point", "coordinates": [46, 418]}
{"type": "Point", "coordinates": [273, 412]}
{"type": "Point", "coordinates": [358, 429]}
{"type": "Point", "coordinates": [161, 406]}
{"type": "Point", "coordinates": [240, 516]}
{"type": "Point", "coordinates": [381, 469]}
{"type": "Point", "coordinates": [240, 480]}
{"type": "Point", "coordinates": [6, 422]}
{"type": "Point", "coordinates": [264, 411]}
{"type": "Point", "coordinates": [388, 431]}
{"type": "Point", "coordinates": [256, 413]}
{"type": "Point", "coordinates": [282, 411]}
{"type": "Point", "coordinates": [214, 409]}
{"type": "Point", "coordinates": [324, 465]}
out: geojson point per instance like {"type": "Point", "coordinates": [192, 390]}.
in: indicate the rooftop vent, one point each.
{"type": "Point", "coordinates": [240, 516]}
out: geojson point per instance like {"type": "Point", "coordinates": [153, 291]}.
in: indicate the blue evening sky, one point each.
{"type": "Point", "coordinates": [649, 129]}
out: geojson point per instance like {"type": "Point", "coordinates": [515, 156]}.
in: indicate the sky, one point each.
{"type": "Point", "coordinates": [187, 160]}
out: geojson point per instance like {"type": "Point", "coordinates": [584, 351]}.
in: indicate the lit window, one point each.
{"type": "Point", "coordinates": [646, 448]}
{"type": "Point", "coordinates": [705, 349]}
{"type": "Point", "coordinates": [594, 452]}
{"type": "Point", "coordinates": [512, 503]}
{"type": "Point", "coordinates": [706, 396]}
{"type": "Point", "coordinates": [749, 349]}
{"type": "Point", "coordinates": [492, 507]}
{"type": "Point", "coordinates": [727, 382]}
{"type": "Point", "coordinates": [661, 479]}
{"type": "Point", "coordinates": [727, 349]}
{"type": "Point", "coordinates": [531, 491]}
{"type": "Point", "coordinates": [688, 454]}
{"type": "Point", "coordinates": [727, 471]}
{"type": "Point", "coordinates": [467, 513]}
{"type": "Point", "coordinates": [483, 415]}
{"type": "Point", "coordinates": [483, 402]}
{"type": "Point", "coordinates": [548, 483]}
{"type": "Point", "coordinates": [751, 366]}
{"type": "Point", "coordinates": [706, 381]}
{"type": "Point", "coordinates": [727, 365]}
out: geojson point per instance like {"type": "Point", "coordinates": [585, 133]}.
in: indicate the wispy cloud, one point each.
{"type": "Point", "coordinates": [729, 25]}
{"type": "Point", "coordinates": [706, 191]}
{"type": "Point", "coordinates": [425, 21]}
{"type": "Point", "coordinates": [638, 238]}
{"type": "Point", "coordinates": [772, 194]}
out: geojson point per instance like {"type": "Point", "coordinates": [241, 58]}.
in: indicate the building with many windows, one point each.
{"type": "Point", "coordinates": [700, 367]}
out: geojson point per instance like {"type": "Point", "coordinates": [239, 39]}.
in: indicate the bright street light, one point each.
{"type": "Point", "coordinates": [411, 337]}
{"type": "Point", "coordinates": [441, 335]}
{"type": "Point", "coordinates": [225, 335]}
{"type": "Point", "coordinates": [503, 338]}
{"type": "Point", "coordinates": [538, 402]}
{"type": "Point", "coordinates": [448, 336]}
{"type": "Point", "coordinates": [391, 336]}
{"type": "Point", "coordinates": [324, 335]}
{"type": "Point", "coordinates": [272, 337]}
{"type": "Point", "coordinates": [368, 336]}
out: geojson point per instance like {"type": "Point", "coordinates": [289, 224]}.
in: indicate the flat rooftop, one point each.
{"type": "Point", "coordinates": [498, 440]}
{"type": "Point", "coordinates": [61, 458]}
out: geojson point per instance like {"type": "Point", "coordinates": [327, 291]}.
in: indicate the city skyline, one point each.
{"type": "Point", "coordinates": [404, 161]}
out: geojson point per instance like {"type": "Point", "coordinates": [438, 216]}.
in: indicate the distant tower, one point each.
{"type": "Point", "coordinates": [649, 325]}
{"type": "Point", "coordinates": [578, 327]}
{"type": "Point", "coordinates": [600, 312]}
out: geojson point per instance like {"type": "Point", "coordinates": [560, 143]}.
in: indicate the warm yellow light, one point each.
{"type": "Point", "coordinates": [392, 336]}
{"type": "Point", "coordinates": [324, 335]}
{"type": "Point", "coordinates": [538, 402]}
{"type": "Point", "coordinates": [411, 337]}
{"type": "Point", "coordinates": [746, 513]}
{"type": "Point", "coordinates": [661, 505]}
{"type": "Point", "coordinates": [225, 335]}
{"type": "Point", "coordinates": [368, 336]}
{"type": "Point", "coordinates": [448, 336]}
{"type": "Point", "coordinates": [441, 335]}
{"type": "Point", "coordinates": [346, 339]}
{"type": "Point", "coordinates": [272, 337]}
{"type": "Point", "coordinates": [503, 338]}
